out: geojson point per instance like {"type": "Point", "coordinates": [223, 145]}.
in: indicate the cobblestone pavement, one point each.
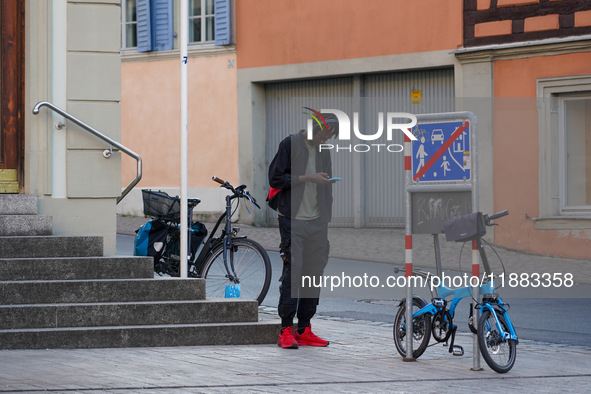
{"type": "Point", "coordinates": [360, 358]}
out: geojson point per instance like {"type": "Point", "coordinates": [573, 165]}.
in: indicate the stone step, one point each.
{"type": "Point", "coordinates": [107, 290]}
{"type": "Point", "coordinates": [25, 225]}
{"type": "Point", "coordinates": [18, 204]}
{"type": "Point", "coordinates": [72, 268]}
{"type": "Point", "coordinates": [60, 292]}
{"type": "Point", "coordinates": [127, 313]}
{"type": "Point", "coordinates": [51, 246]}
{"type": "Point", "coordinates": [251, 333]}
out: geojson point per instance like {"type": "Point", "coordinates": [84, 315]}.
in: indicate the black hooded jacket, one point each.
{"type": "Point", "coordinates": [289, 163]}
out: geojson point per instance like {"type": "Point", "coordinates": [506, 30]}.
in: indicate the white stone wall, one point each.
{"type": "Point", "coordinates": [92, 62]}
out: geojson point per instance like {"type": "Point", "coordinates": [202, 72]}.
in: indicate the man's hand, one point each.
{"type": "Point", "coordinates": [319, 177]}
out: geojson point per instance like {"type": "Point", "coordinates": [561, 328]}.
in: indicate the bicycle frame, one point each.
{"type": "Point", "coordinates": [444, 292]}
{"type": "Point", "coordinates": [506, 335]}
{"type": "Point", "coordinates": [227, 234]}
{"type": "Point", "coordinates": [464, 292]}
{"type": "Point", "coordinates": [487, 290]}
{"type": "Point", "coordinates": [225, 237]}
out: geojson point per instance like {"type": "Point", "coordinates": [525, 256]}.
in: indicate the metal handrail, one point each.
{"type": "Point", "coordinates": [96, 133]}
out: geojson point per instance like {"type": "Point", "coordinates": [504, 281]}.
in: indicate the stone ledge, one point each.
{"type": "Point", "coordinates": [563, 223]}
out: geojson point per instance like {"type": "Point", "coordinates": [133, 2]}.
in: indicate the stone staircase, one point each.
{"type": "Point", "coordinates": [60, 292]}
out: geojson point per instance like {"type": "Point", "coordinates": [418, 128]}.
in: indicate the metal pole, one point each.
{"type": "Point", "coordinates": [437, 256]}
{"type": "Point", "coordinates": [408, 250]}
{"type": "Point", "coordinates": [184, 35]}
{"type": "Point", "coordinates": [475, 254]}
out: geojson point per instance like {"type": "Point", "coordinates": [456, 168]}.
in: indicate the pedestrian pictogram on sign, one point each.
{"type": "Point", "coordinates": [441, 152]}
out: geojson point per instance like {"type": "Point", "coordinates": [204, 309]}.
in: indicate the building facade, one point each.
{"type": "Point", "coordinates": [150, 100]}
{"type": "Point", "coordinates": [533, 59]}
{"type": "Point", "coordinates": [521, 66]}
{"type": "Point", "coordinates": [68, 54]}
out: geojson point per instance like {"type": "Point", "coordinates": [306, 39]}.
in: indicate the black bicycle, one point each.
{"type": "Point", "coordinates": [233, 266]}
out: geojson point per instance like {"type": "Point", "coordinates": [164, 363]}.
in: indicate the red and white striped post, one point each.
{"type": "Point", "coordinates": [408, 237]}
{"type": "Point", "coordinates": [408, 248]}
{"type": "Point", "coordinates": [475, 260]}
{"type": "Point", "coordinates": [476, 315]}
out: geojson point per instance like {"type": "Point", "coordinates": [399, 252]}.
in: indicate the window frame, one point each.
{"type": "Point", "coordinates": [552, 93]}
{"type": "Point", "coordinates": [203, 17]}
{"type": "Point", "coordinates": [564, 208]}
{"type": "Point", "coordinates": [124, 24]}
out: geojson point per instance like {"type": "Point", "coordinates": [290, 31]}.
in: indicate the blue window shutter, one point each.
{"type": "Point", "coordinates": [144, 26]}
{"type": "Point", "coordinates": [223, 22]}
{"type": "Point", "coordinates": [162, 29]}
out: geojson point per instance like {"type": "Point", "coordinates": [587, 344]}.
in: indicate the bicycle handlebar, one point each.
{"type": "Point", "coordinates": [253, 200]}
{"type": "Point", "coordinates": [238, 192]}
{"type": "Point", "coordinates": [218, 180]}
{"type": "Point", "coordinates": [498, 214]}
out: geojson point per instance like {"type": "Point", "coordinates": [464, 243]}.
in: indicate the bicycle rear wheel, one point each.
{"type": "Point", "coordinates": [498, 353]}
{"type": "Point", "coordinates": [252, 266]}
{"type": "Point", "coordinates": [421, 329]}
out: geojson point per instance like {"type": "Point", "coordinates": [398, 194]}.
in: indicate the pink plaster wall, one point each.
{"type": "Point", "coordinates": [150, 121]}
{"type": "Point", "coordinates": [271, 32]}
{"type": "Point", "coordinates": [516, 155]}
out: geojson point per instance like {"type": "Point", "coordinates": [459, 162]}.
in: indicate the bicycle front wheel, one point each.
{"type": "Point", "coordinates": [252, 267]}
{"type": "Point", "coordinates": [421, 331]}
{"type": "Point", "coordinates": [499, 353]}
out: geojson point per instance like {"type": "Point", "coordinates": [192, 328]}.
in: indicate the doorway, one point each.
{"type": "Point", "coordinates": [11, 95]}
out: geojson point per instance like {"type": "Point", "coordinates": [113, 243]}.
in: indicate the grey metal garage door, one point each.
{"type": "Point", "coordinates": [372, 190]}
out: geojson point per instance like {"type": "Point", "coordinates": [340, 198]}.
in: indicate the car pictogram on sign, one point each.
{"type": "Point", "coordinates": [437, 135]}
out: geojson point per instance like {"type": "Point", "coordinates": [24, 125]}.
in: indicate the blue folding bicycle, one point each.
{"type": "Point", "coordinates": [497, 339]}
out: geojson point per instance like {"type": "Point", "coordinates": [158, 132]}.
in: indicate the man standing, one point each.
{"type": "Point", "coordinates": [301, 171]}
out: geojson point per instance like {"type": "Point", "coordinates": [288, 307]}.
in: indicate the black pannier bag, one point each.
{"type": "Point", "coordinates": [465, 228]}
{"type": "Point", "coordinates": [150, 239]}
{"type": "Point", "coordinates": [171, 265]}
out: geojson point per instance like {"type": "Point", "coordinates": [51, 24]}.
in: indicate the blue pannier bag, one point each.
{"type": "Point", "coordinates": [150, 239]}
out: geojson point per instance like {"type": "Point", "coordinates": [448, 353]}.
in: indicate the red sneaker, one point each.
{"type": "Point", "coordinates": [308, 338]}
{"type": "Point", "coordinates": [286, 339]}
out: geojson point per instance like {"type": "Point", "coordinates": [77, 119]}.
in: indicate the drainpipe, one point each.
{"type": "Point", "coordinates": [59, 57]}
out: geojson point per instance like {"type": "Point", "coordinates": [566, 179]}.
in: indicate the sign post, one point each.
{"type": "Point", "coordinates": [184, 31]}
{"type": "Point", "coordinates": [443, 184]}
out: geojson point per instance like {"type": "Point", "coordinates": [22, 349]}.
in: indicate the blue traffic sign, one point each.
{"type": "Point", "coordinates": [441, 152]}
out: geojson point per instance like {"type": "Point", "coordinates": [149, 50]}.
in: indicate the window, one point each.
{"type": "Point", "coordinates": [129, 18]}
{"type": "Point", "coordinates": [201, 20]}
{"type": "Point", "coordinates": [564, 117]}
{"type": "Point", "coordinates": [148, 24]}
{"type": "Point", "coordinates": [154, 25]}
{"type": "Point", "coordinates": [575, 153]}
